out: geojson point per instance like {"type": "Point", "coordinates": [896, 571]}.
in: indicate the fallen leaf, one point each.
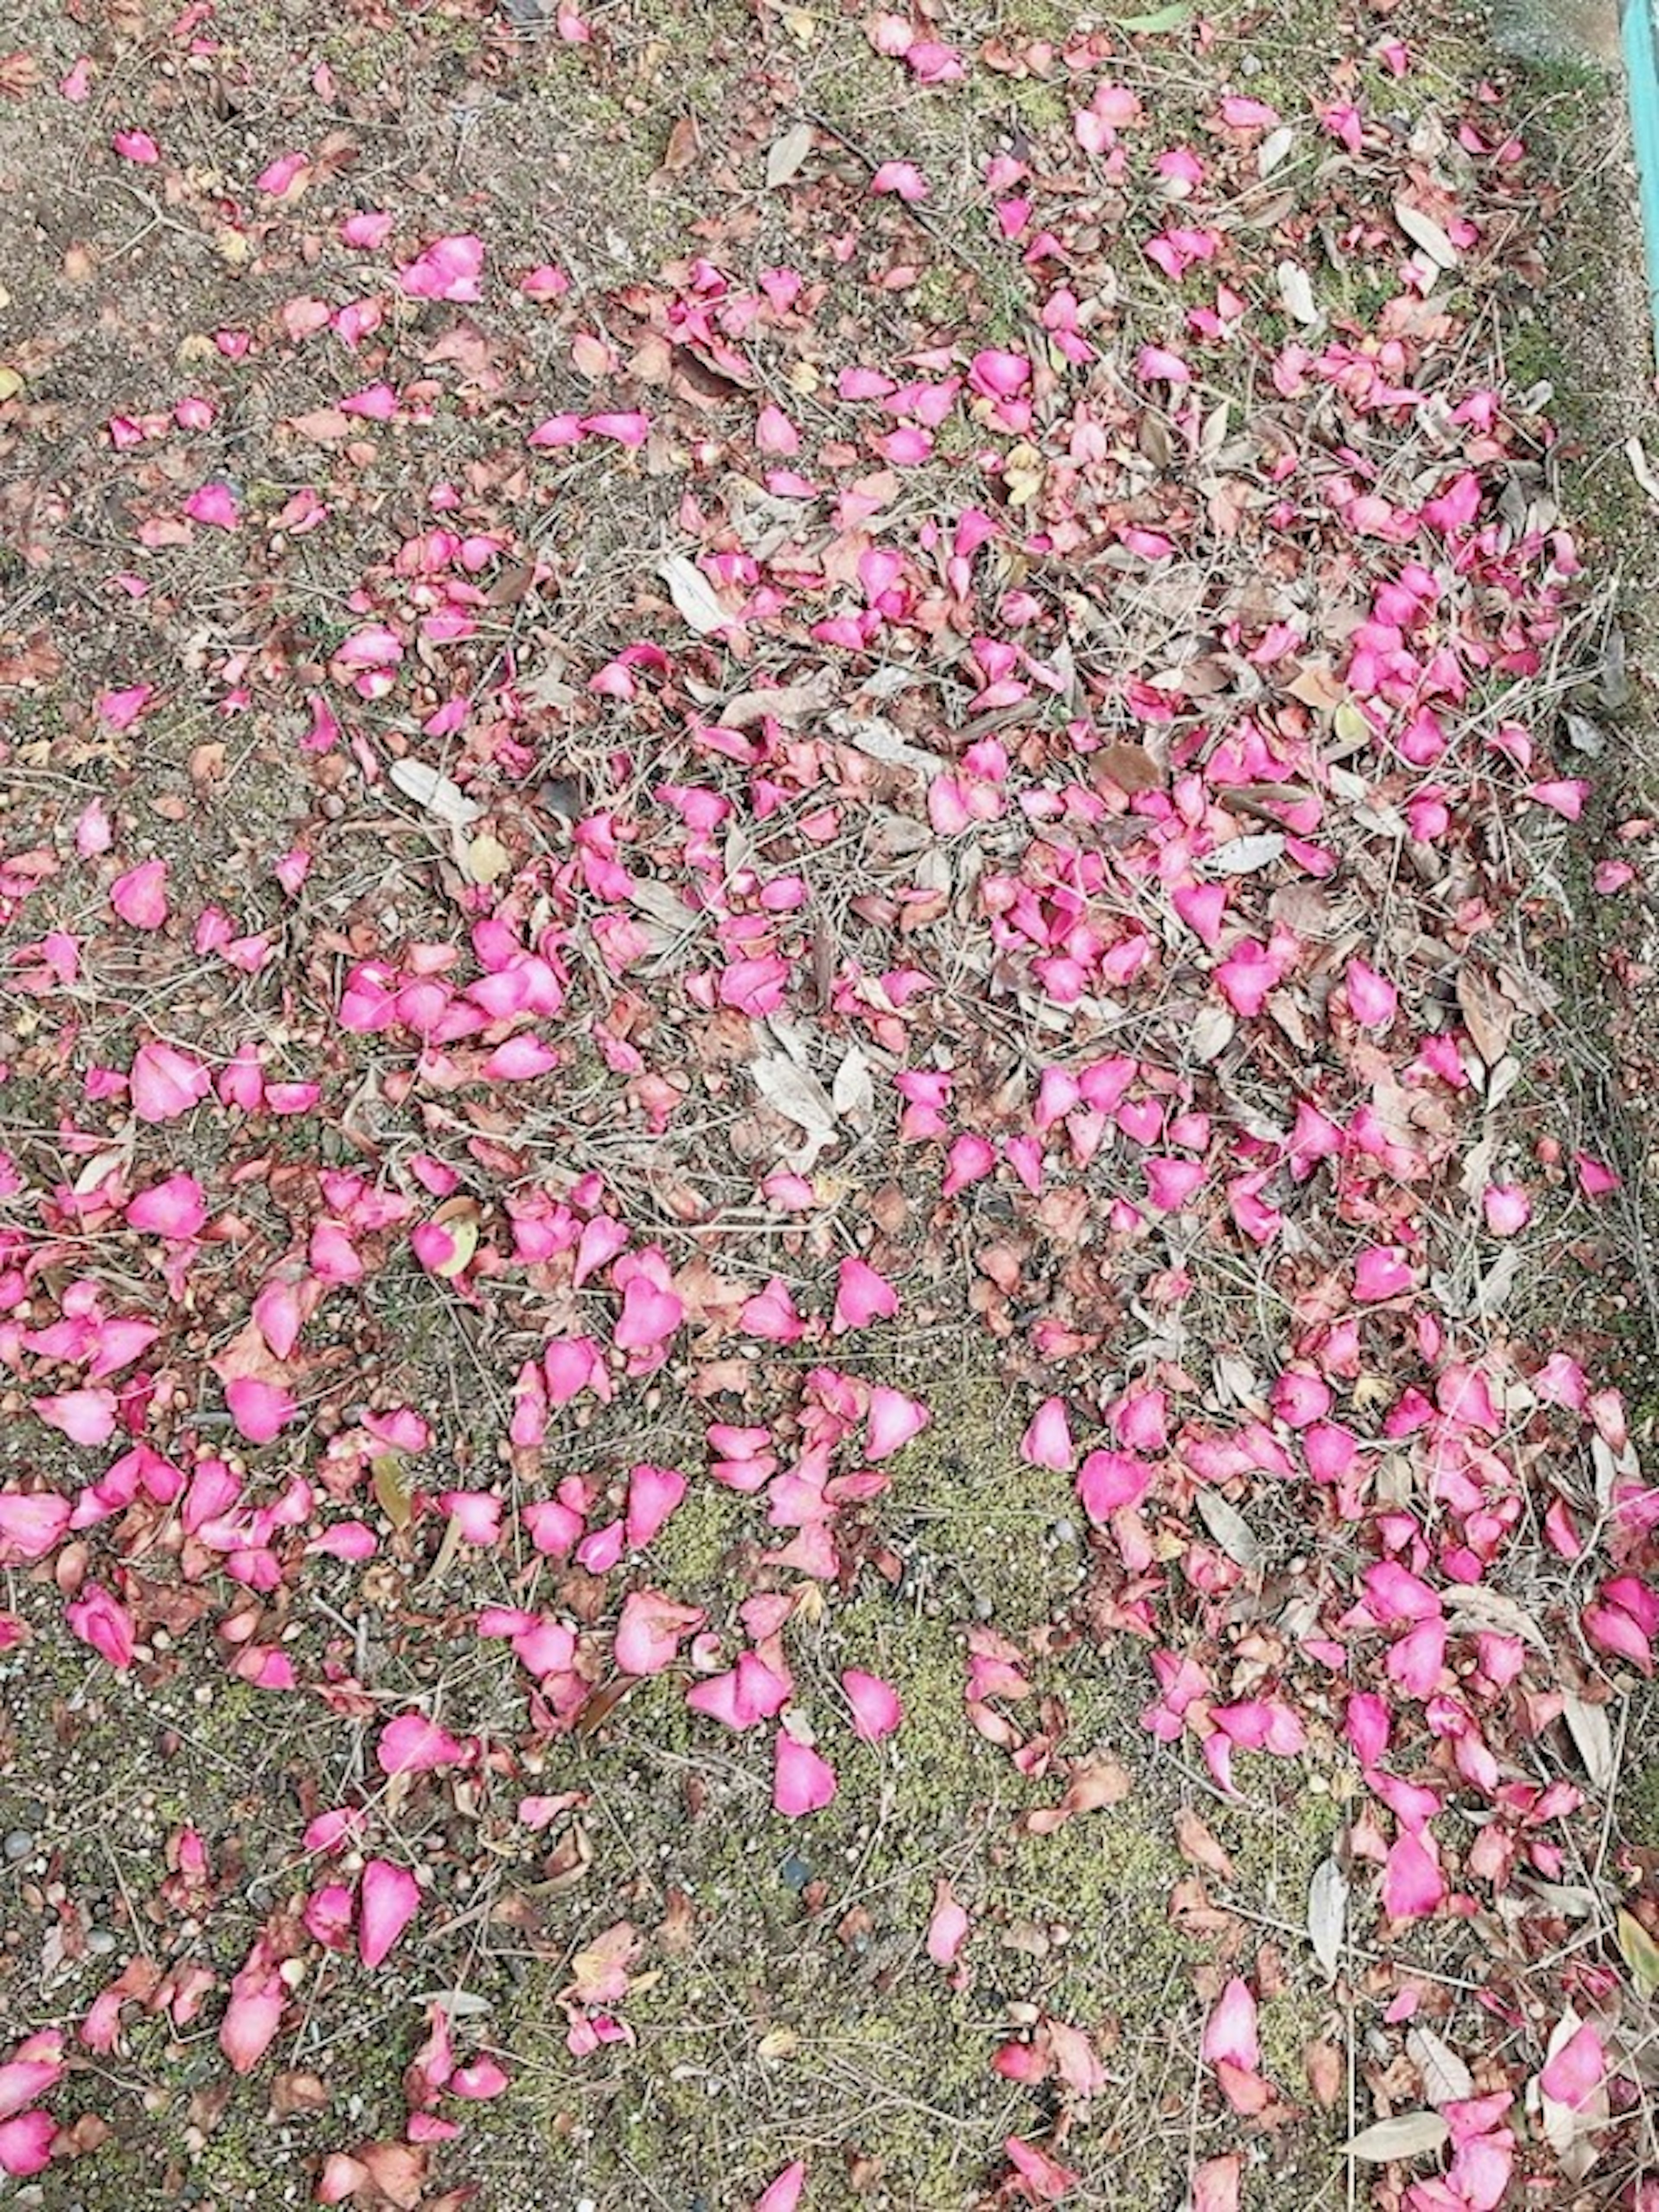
{"type": "Point", "coordinates": [1328, 1914]}
{"type": "Point", "coordinates": [431, 788]}
{"type": "Point", "coordinates": [693, 595]}
{"type": "Point", "coordinates": [785, 155]}
{"type": "Point", "coordinates": [1407, 2135]}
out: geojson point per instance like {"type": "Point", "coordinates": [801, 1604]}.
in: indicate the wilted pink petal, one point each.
{"type": "Point", "coordinates": [1048, 1441]}
{"type": "Point", "coordinates": [449, 269]}
{"type": "Point", "coordinates": [412, 1744]}
{"type": "Point", "coordinates": [390, 1899]}
{"type": "Point", "coordinates": [26, 2143]}
{"type": "Point", "coordinates": [802, 1782]}
{"type": "Point", "coordinates": [861, 1295]}
{"type": "Point", "coordinates": [140, 897]}
{"type": "Point", "coordinates": [750, 1692]}
{"type": "Point", "coordinates": [175, 1208]}
{"type": "Point", "coordinates": [1372, 1000]}
{"type": "Point", "coordinates": [947, 1929]}
{"type": "Point", "coordinates": [166, 1083]}
{"type": "Point", "coordinates": [31, 1523]}
{"type": "Point", "coordinates": [1046, 2181]}
{"type": "Point", "coordinates": [1576, 2070]}
{"type": "Point", "coordinates": [137, 146]}
{"type": "Point", "coordinates": [783, 2195]}
{"type": "Point", "coordinates": [1230, 2032]}
{"type": "Point", "coordinates": [876, 1710]}
{"type": "Point", "coordinates": [1216, 2183]}
{"type": "Point", "coordinates": [901, 179]}
{"type": "Point", "coordinates": [1413, 1886]}
{"type": "Point", "coordinates": [85, 1417]}
{"type": "Point", "coordinates": [893, 1420]}
{"type": "Point", "coordinates": [650, 1630]}
{"type": "Point", "coordinates": [104, 1622]}
{"type": "Point", "coordinates": [258, 1994]}
{"type": "Point", "coordinates": [260, 1410]}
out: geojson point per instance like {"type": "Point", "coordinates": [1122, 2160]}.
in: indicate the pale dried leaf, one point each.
{"type": "Point", "coordinates": [693, 595]}
{"type": "Point", "coordinates": [1446, 2079]}
{"type": "Point", "coordinates": [853, 1093]}
{"type": "Point", "coordinates": [1296, 290]}
{"type": "Point", "coordinates": [1328, 1914]}
{"type": "Point", "coordinates": [1592, 1738]}
{"type": "Point", "coordinates": [1407, 2135]}
{"type": "Point", "coordinates": [1488, 1016]}
{"type": "Point", "coordinates": [1426, 235]}
{"type": "Point", "coordinates": [796, 1094]}
{"type": "Point", "coordinates": [431, 788]}
{"type": "Point", "coordinates": [1230, 1530]}
{"type": "Point", "coordinates": [1245, 856]}
{"type": "Point", "coordinates": [785, 155]}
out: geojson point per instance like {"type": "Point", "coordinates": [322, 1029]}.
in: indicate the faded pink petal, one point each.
{"type": "Point", "coordinates": [650, 1630]}
{"type": "Point", "coordinates": [802, 1782]}
{"type": "Point", "coordinates": [1230, 2033]}
{"type": "Point", "coordinates": [167, 1083]}
{"type": "Point", "coordinates": [175, 1208]}
{"type": "Point", "coordinates": [1372, 1000]}
{"type": "Point", "coordinates": [893, 1420]}
{"type": "Point", "coordinates": [32, 1522]}
{"type": "Point", "coordinates": [783, 2195]}
{"type": "Point", "coordinates": [861, 1295]}
{"type": "Point", "coordinates": [260, 1410]}
{"type": "Point", "coordinates": [85, 1417]}
{"type": "Point", "coordinates": [1216, 2183]}
{"type": "Point", "coordinates": [103, 1622]}
{"type": "Point", "coordinates": [1048, 1441]}
{"type": "Point", "coordinates": [947, 1930]}
{"type": "Point", "coordinates": [1576, 2070]}
{"type": "Point", "coordinates": [390, 1899]}
{"type": "Point", "coordinates": [876, 1710]}
{"type": "Point", "coordinates": [258, 1995]}
{"type": "Point", "coordinates": [412, 1744]}
{"type": "Point", "coordinates": [750, 1692]}
{"type": "Point", "coordinates": [140, 897]}
{"type": "Point", "coordinates": [1507, 1208]}
{"type": "Point", "coordinates": [901, 179]}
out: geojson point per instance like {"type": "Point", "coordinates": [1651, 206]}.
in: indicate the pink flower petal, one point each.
{"type": "Point", "coordinates": [876, 1710]}
{"type": "Point", "coordinates": [802, 1782]}
{"type": "Point", "coordinates": [390, 1899]}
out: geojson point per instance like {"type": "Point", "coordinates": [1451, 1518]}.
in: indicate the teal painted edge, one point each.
{"type": "Point", "coordinates": [1641, 70]}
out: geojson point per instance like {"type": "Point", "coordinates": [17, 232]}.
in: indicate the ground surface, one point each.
{"type": "Point", "coordinates": [825, 1320]}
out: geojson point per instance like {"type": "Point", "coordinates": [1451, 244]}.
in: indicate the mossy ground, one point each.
{"type": "Point", "coordinates": [795, 2018]}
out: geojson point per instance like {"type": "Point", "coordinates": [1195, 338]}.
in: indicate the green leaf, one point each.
{"type": "Point", "coordinates": [1158, 19]}
{"type": "Point", "coordinates": [1640, 1954]}
{"type": "Point", "coordinates": [391, 1491]}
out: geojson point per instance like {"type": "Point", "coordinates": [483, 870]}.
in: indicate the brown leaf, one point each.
{"type": "Point", "coordinates": [1487, 1014]}
{"type": "Point", "coordinates": [1197, 1844]}
{"type": "Point", "coordinates": [1323, 2064]}
{"type": "Point", "coordinates": [1132, 769]}
{"type": "Point", "coordinates": [685, 145]}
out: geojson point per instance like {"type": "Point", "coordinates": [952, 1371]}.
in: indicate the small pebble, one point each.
{"type": "Point", "coordinates": [794, 1874]}
{"type": "Point", "coordinates": [18, 1844]}
{"type": "Point", "coordinates": [983, 1608]}
{"type": "Point", "coordinates": [1064, 1533]}
{"type": "Point", "coordinates": [101, 1941]}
